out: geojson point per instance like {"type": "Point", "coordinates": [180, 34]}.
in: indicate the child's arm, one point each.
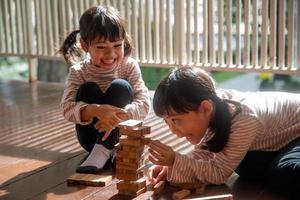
{"type": "Point", "coordinates": [70, 108]}
{"type": "Point", "coordinates": [140, 106]}
{"type": "Point", "coordinates": [216, 168]}
{"type": "Point", "coordinates": [206, 166]}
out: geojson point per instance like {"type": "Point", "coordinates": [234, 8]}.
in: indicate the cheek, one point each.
{"type": "Point", "coordinates": [121, 53]}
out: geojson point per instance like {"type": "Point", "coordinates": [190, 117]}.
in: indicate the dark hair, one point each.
{"type": "Point", "coordinates": [103, 21]}
{"type": "Point", "coordinates": [182, 90]}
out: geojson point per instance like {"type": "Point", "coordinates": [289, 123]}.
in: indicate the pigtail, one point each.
{"type": "Point", "coordinates": [70, 49]}
{"type": "Point", "coordinates": [128, 47]}
{"type": "Point", "coordinates": [221, 123]}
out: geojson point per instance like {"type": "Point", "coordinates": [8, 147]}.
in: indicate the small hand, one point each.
{"type": "Point", "coordinates": [161, 154]}
{"type": "Point", "coordinates": [103, 128]}
{"type": "Point", "coordinates": [156, 173]}
{"type": "Point", "coordinates": [108, 118]}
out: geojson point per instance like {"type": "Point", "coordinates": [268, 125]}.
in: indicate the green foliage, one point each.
{"type": "Point", "coordinates": [152, 76]}
{"type": "Point", "coordinates": [221, 77]}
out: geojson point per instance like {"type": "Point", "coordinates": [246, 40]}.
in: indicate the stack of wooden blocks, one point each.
{"type": "Point", "coordinates": [130, 158]}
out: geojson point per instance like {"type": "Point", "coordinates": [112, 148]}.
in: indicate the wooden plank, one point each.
{"type": "Point", "coordinates": [132, 186]}
{"type": "Point", "coordinates": [89, 179]}
{"type": "Point", "coordinates": [273, 10]}
{"type": "Point", "coordinates": [158, 188]}
{"type": "Point", "coordinates": [138, 132]}
{"type": "Point", "coordinates": [220, 33]}
{"type": "Point", "coordinates": [131, 123]}
{"type": "Point", "coordinates": [228, 32]}
{"type": "Point", "coordinates": [181, 194]}
{"type": "Point", "coordinates": [193, 185]}
{"type": "Point", "coordinates": [39, 169]}
{"type": "Point", "coordinates": [216, 197]}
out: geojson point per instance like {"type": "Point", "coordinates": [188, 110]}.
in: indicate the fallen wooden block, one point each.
{"type": "Point", "coordinates": [159, 187]}
{"type": "Point", "coordinates": [181, 194]}
{"type": "Point", "coordinates": [128, 193]}
{"type": "Point", "coordinates": [200, 189]}
{"type": "Point", "coordinates": [193, 185]}
{"type": "Point", "coordinates": [216, 197]}
{"type": "Point", "coordinates": [131, 186]}
{"type": "Point", "coordinates": [89, 179]}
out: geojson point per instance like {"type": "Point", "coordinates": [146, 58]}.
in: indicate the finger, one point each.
{"type": "Point", "coordinates": [123, 116]}
{"type": "Point", "coordinates": [100, 127]}
{"type": "Point", "coordinates": [114, 121]}
{"type": "Point", "coordinates": [154, 161]}
{"type": "Point", "coordinates": [156, 155]}
{"type": "Point", "coordinates": [157, 149]}
{"type": "Point", "coordinates": [97, 125]}
{"type": "Point", "coordinates": [161, 148]}
{"type": "Point", "coordinates": [107, 133]}
{"type": "Point", "coordinates": [160, 176]}
{"type": "Point", "coordinates": [150, 175]}
{"type": "Point", "coordinates": [160, 145]}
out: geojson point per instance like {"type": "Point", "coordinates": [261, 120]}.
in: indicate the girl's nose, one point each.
{"type": "Point", "coordinates": [109, 51]}
{"type": "Point", "coordinates": [176, 131]}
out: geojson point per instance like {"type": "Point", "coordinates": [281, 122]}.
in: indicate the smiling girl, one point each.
{"type": "Point", "coordinates": [104, 85]}
{"type": "Point", "coordinates": [255, 134]}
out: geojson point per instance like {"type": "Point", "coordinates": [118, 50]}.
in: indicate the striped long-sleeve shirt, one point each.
{"type": "Point", "coordinates": [86, 72]}
{"type": "Point", "coordinates": [268, 121]}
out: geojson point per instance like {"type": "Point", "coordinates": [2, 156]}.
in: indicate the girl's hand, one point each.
{"type": "Point", "coordinates": [161, 154]}
{"type": "Point", "coordinates": [108, 118]}
{"type": "Point", "coordinates": [156, 173]}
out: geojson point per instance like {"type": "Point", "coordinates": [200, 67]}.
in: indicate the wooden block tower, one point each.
{"type": "Point", "coordinates": [130, 158]}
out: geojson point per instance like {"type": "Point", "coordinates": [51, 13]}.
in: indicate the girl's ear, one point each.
{"type": "Point", "coordinates": [84, 45]}
{"type": "Point", "coordinates": [206, 107]}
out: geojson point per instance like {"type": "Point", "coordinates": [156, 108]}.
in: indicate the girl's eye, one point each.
{"type": "Point", "coordinates": [175, 121]}
{"type": "Point", "coordinates": [100, 47]}
{"type": "Point", "coordinates": [118, 45]}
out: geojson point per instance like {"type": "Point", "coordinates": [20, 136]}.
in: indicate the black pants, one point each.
{"type": "Point", "coordinates": [280, 169]}
{"type": "Point", "coordinates": [118, 94]}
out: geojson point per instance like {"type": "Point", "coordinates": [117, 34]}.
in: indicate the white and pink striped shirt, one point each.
{"type": "Point", "coordinates": [86, 72]}
{"type": "Point", "coordinates": [268, 121]}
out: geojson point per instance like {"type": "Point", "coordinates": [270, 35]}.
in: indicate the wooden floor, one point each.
{"type": "Point", "coordinates": [39, 150]}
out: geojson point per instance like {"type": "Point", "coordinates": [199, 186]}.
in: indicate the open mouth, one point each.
{"type": "Point", "coordinates": [109, 61]}
{"type": "Point", "coordinates": [189, 137]}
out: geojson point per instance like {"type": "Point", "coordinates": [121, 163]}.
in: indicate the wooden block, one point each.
{"type": "Point", "coordinates": [200, 189]}
{"type": "Point", "coordinates": [130, 154]}
{"type": "Point", "coordinates": [121, 159]}
{"type": "Point", "coordinates": [127, 171]}
{"type": "Point", "coordinates": [129, 177]}
{"type": "Point", "coordinates": [89, 179]}
{"type": "Point", "coordinates": [124, 192]}
{"type": "Point", "coordinates": [217, 197]}
{"type": "Point", "coordinates": [124, 140]}
{"type": "Point", "coordinates": [131, 123]}
{"type": "Point", "coordinates": [193, 185]}
{"type": "Point", "coordinates": [132, 165]}
{"type": "Point", "coordinates": [159, 187]}
{"type": "Point", "coordinates": [146, 141]}
{"type": "Point", "coordinates": [137, 132]}
{"type": "Point", "coordinates": [132, 186]}
{"type": "Point", "coordinates": [181, 194]}
{"type": "Point", "coordinates": [133, 148]}
{"type": "Point", "coordinates": [118, 147]}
